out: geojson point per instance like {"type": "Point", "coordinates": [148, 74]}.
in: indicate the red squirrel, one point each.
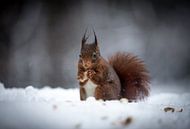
{"type": "Point", "coordinates": [122, 76]}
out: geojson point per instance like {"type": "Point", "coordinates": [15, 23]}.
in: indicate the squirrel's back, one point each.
{"type": "Point", "coordinates": [133, 76]}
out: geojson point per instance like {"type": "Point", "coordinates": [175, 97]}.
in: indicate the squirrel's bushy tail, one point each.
{"type": "Point", "coordinates": [133, 76]}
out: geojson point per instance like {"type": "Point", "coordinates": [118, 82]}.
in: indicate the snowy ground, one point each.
{"type": "Point", "coordinates": [59, 108]}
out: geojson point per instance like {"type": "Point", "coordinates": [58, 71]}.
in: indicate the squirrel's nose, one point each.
{"type": "Point", "coordinates": [87, 64]}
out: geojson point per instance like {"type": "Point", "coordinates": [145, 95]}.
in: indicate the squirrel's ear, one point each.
{"type": "Point", "coordinates": [95, 38]}
{"type": "Point", "coordinates": [84, 38]}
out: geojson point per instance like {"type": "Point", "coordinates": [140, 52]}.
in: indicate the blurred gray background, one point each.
{"type": "Point", "coordinates": [40, 41]}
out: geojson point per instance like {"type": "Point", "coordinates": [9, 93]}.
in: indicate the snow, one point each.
{"type": "Point", "coordinates": [59, 108]}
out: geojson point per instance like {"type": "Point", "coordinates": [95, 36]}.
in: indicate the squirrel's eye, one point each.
{"type": "Point", "coordinates": [80, 56]}
{"type": "Point", "coordinates": [94, 56]}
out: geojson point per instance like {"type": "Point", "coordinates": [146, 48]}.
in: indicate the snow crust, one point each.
{"type": "Point", "coordinates": [59, 108]}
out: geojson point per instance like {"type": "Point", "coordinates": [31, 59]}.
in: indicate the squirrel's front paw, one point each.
{"type": "Point", "coordinates": [80, 77]}
{"type": "Point", "coordinates": [90, 74]}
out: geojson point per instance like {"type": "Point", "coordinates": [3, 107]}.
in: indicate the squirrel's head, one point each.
{"type": "Point", "coordinates": [90, 53]}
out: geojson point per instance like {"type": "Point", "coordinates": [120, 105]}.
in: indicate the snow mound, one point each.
{"type": "Point", "coordinates": [59, 108]}
{"type": "Point", "coordinates": [30, 94]}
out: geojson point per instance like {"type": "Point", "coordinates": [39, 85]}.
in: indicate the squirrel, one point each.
{"type": "Point", "coordinates": [122, 76]}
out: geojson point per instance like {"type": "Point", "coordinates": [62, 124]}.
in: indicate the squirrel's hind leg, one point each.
{"type": "Point", "coordinates": [100, 93]}
{"type": "Point", "coordinates": [106, 92]}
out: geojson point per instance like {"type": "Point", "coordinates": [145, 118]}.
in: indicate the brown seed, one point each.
{"type": "Point", "coordinates": [127, 121]}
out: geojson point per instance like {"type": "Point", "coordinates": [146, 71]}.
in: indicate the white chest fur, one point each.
{"type": "Point", "coordinates": [89, 87]}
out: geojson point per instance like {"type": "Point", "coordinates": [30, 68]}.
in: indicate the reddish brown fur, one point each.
{"type": "Point", "coordinates": [133, 76]}
{"type": "Point", "coordinates": [124, 76]}
{"type": "Point", "coordinates": [107, 81]}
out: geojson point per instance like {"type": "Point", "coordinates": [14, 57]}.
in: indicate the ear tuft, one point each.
{"type": "Point", "coordinates": [95, 38]}
{"type": "Point", "coordinates": [84, 38]}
